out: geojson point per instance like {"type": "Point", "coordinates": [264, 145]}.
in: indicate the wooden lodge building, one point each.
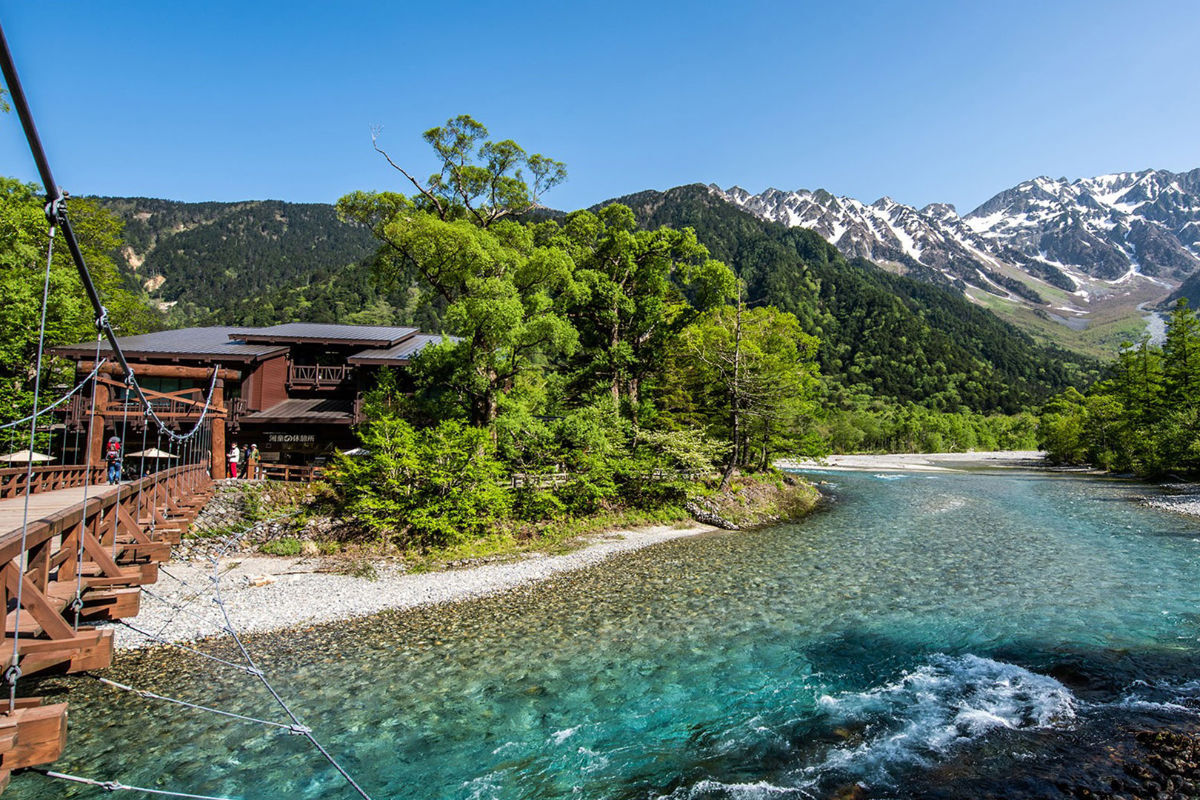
{"type": "Point", "coordinates": [295, 390]}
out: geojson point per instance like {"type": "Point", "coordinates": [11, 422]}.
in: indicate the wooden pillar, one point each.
{"type": "Point", "coordinates": [97, 426]}
{"type": "Point", "coordinates": [218, 432]}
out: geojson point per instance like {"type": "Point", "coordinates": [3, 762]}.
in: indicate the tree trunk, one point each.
{"type": "Point", "coordinates": [614, 339]}
{"type": "Point", "coordinates": [735, 398]}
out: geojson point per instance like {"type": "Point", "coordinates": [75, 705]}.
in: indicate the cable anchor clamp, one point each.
{"type": "Point", "coordinates": [55, 211]}
{"type": "Point", "coordinates": [12, 675]}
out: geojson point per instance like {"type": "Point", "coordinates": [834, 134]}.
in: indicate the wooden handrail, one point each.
{"type": "Point", "coordinates": [317, 376]}
{"type": "Point", "coordinates": [14, 481]}
{"type": "Point", "coordinates": [132, 493]}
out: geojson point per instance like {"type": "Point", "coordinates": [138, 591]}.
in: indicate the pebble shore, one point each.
{"type": "Point", "coordinates": [1184, 499]}
{"type": "Point", "coordinates": [292, 593]}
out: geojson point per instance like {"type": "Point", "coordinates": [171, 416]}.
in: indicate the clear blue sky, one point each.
{"type": "Point", "coordinates": [934, 101]}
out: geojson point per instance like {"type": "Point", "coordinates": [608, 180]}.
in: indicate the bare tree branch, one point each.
{"type": "Point", "coordinates": [428, 194]}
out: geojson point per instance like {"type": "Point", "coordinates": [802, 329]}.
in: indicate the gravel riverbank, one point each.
{"type": "Point", "coordinates": [1183, 498]}
{"type": "Point", "coordinates": [922, 462]}
{"type": "Point", "coordinates": [266, 593]}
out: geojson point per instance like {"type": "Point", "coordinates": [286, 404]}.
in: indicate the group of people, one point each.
{"type": "Point", "coordinates": [244, 462]}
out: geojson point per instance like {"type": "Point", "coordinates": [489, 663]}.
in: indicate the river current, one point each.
{"type": "Point", "coordinates": [914, 622]}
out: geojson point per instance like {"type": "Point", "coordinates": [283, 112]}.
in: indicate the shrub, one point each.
{"type": "Point", "coordinates": [428, 488]}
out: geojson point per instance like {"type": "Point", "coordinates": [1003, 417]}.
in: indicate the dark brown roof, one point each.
{"type": "Point", "coordinates": [202, 342]}
{"type": "Point", "coordinates": [365, 335]}
{"type": "Point", "coordinates": [318, 410]}
{"type": "Point", "coordinates": [400, 354]}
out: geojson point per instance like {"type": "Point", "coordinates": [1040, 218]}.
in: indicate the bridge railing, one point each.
{"type": "Point", "coordinates": [113, 542]}
{"type": "Point", "coordinates": [16, 481]}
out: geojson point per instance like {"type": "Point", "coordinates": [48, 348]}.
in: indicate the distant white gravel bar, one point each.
{"type": "Point", "coordinates": [920, 462]}
{"type": "Point", "coordinates": [266, 593]}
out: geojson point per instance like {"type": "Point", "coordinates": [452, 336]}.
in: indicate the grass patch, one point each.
{"type": "Point", "coordinates": [287, 546]}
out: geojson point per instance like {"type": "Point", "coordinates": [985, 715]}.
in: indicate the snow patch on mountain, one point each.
{"type": "Point", "coordinates": [1044, 234]}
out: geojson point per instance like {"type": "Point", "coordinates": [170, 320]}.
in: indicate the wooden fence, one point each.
{"type": "Point", "coordinates": [289, 472]}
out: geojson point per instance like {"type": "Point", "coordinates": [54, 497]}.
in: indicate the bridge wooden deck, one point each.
{"type": "Point", "coordinates": [46, 504]}
{"type": "Point", "coordinates": [83, 558]}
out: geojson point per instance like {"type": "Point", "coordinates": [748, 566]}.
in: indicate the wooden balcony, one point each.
{"type": "Point", "coordinates": [313, 376]}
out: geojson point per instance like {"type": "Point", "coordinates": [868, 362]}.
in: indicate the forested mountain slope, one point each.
{"type": "Point", "coordinates": [882, 334]}
{"type": "Point", "coordinates": [203, 254]}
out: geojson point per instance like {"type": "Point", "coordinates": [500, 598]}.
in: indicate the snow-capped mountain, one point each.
{"type": "Point", "coordinates": [1107, 226]}
{"type": "Point", "coordinates": [1083, 237]}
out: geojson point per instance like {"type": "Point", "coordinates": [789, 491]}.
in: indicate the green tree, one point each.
{"type": "Point", "coordinates": [495, 278]}
{"type": "Point", "coordinates": [69, 318]}
{"type": "Point", "coordinates": [756, 373]}
{"type": "Point", "coordinates": [422, 488]}
{"type": "Point", "coordinates": [1181, 357]}
{"type": "Point", "coordinates": [632, 292]}
{"type": "Point", "coordinates": [480, 180]}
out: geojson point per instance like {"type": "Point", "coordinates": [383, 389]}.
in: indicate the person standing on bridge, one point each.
{"type": "Point", "coordinates": [112, 454]}
{"type": "Point", "coordinates": [234, 455]}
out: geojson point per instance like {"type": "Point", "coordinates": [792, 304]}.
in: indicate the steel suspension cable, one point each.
{"type": "Point", "coordinates": [13, 673]}
{"type": "Point", "coordinates": [77, 603]}
{"type": "Point", "coordinates": [58, 402]}
{"type": "Point", "coordinates": [117, 786]}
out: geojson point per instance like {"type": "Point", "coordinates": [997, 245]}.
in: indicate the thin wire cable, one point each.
{"type": "Point", "coordinates": [120, 467]}
{"type": "Point", "coordinates": [160, 640]}
{"type": "Point", "coordinates": [181, 609]}
{"type": "Point", "coordinates": [295, 728]}
{"type": "Point", "coordinates": [77, 603]}
{"type": "Point", "coordinates": [142, 466]}
{"type": "Point", "coordinates": [117, 786]}
{"type": "Point", "coordinates": [157, 476]}
{"type": "Point", "coordinates": [223, 547]}
{"type": "Point", "coordinates": [58, 402]}
{"type": "Point", "coordinates": [13, 673]}
{"type": "Point", "coordinates": [306, 732]}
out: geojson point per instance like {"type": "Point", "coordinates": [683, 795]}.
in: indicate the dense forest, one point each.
{"type": "Point", "coordinates": [882, 335]}
{"type": "Point", "coordinates": [205, 255]}
{"type": "Point", "coordinates": [69, 316]}
{"type": "Point", "coordinates": [1144, 417]}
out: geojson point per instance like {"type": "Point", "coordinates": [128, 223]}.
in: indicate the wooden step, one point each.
{"type": "Point", "coordinates": [39, 736]}
{"type": "Point", "coordinates": [110, 604]}
{"type": "Point", "coordinates": [88, 649]}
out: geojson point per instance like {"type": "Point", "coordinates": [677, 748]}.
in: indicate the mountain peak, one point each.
{"type": "Point", "coordinates": [1050, 230]}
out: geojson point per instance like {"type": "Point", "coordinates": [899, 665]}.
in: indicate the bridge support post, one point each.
{"type": "Point", "coordinates": [96, 425]}
{"type": "Point", "coordinates": [218, 432]}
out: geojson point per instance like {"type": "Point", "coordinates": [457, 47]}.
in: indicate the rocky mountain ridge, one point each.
{"type": "Point", "coordinates": [1062, 247]}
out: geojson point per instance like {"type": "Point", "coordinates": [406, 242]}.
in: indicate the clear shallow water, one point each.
{"type": "Point", "coordinates": [917, 616]}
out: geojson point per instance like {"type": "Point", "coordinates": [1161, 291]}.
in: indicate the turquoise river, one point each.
{"type": "Point", "coordinates": [924, 634]}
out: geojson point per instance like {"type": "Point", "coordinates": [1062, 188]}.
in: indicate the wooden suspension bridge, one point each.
{"type": "Point", "coordinates": [73, 553]}
{"type": "Point", "coordinates": [99, 544]}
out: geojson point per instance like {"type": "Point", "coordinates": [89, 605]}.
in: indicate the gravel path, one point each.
{"type": "Point", "coordinates": [293, 594]}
